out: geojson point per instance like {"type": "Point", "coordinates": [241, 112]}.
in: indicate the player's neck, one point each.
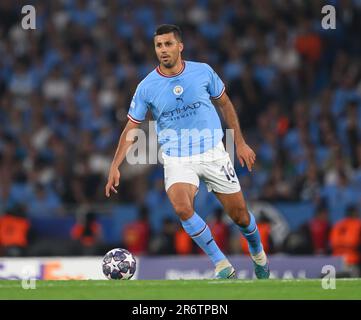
{"type": "Point", "coordinates": [174, 70]}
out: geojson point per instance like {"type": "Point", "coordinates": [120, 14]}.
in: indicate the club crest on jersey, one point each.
{"type": "Point", "coordinates": [178, 90]}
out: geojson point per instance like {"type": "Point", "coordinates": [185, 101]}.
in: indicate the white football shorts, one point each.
{"type": "Point", "coordinates": [214, 167]}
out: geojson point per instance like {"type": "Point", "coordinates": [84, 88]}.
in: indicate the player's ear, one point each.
{"type": "Point", "coordinates": [181, 46]}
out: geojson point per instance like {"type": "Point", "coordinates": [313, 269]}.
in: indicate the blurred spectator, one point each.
{"type": "Point", "coordinates": [310, 185]}
{"type": "Point", "coordinates": [21, 192]}
{"type": "Point", "coordinates": [308, 42]}
{"type": "Point", "coordinates": [163, 243]}
{"type": "Point", "coordinates": [284, 56]}
{"type": "Point", "coordinates": [357, 171]}
{"type": "Point", "coordinates": [86, 183]}
{"type": "Point", "coordinates": [299, 241]}
{"type": "Point", "coordinates": [278, 187]}
{"type": "Point", "coordinates": [345, 240]}
{"type": "Point", "coordinates": [350, 131]}
{"type": "Point", "coordinates": [45, 203]}
{"type": "Point", "coordinates": [220, 230]}
{"type": "Point", "coordinates": [87, 233]}
{"type": "Point", "coordinates": [136, 235]}
{"type": "Point", "coordinates": [246, 88]}
{"type": "Point", "coordinates": [340, 196]}
{"type": "Point", "coordinates": [320, 230]}
{"type": "Point", "coordinates": [14, 232]}
{"type": "Point", "coordinates": [182, 242]}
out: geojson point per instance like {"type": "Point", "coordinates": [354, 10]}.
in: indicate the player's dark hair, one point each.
{"type": "Point", "coordinates": [168, 28]}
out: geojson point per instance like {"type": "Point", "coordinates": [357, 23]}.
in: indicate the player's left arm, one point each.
{"type": "Point", "coordinates": [244, 153]}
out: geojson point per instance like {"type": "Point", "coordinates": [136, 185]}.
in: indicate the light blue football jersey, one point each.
{"type": "Point", "coordinates": [187, 122]}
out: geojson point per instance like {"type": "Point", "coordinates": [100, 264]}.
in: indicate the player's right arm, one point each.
{"type": "Point", "coordinates": [127, 138]}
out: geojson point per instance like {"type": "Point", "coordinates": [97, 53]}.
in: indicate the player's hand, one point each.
{"type": "Point", "coordinates": [246, 155]}
{"type": "Point", "coordinates": [113, 181]}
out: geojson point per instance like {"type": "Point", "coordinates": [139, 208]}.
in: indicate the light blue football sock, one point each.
{"type": "Point", "coordinates": [252, 235]}
{"type": "Point", "coordinates": [199, 231]}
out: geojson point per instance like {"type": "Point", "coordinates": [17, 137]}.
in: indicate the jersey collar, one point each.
{"type": "Point", "coordinates": [174, 75]}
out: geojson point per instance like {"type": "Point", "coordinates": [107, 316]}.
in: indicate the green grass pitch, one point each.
{"type": "Point", "coordinates": [182, 289]}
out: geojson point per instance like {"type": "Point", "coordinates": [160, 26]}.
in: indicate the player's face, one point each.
{"type": "Point", "coordinates": [168, 49]}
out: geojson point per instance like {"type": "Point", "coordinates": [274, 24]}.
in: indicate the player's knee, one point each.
{"type": "Point", "coordinates": [184, 211]}
{"type": "Point", "coordinates": [241, 216]}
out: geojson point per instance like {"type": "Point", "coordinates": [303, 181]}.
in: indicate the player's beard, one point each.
{"type": "Point", "coordinates": [170, 64]}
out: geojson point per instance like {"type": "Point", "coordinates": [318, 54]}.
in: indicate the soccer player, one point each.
{"type": "Point", "coordinates": [181, 95]}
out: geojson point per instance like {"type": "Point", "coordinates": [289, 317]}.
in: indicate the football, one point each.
{"type": "Point", "coordinates": [119, 264]}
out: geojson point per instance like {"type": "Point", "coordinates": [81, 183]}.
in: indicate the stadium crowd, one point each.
{"type": "Point", "coordinates": [65, 90]}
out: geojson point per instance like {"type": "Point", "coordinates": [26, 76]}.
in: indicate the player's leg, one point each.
{"type": "Point", "coordinates": [181, 195]}
{"type": "Point", "coordinates": [220, 177]}
{"type": "Point", "coordinates": [235, 205]}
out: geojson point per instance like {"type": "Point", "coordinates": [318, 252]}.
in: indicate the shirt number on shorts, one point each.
{"type": "Point", "coordinates": [229, 171]}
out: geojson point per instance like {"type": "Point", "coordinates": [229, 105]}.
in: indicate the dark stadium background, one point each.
{"type": "Point", "coordinates": [65, 89]}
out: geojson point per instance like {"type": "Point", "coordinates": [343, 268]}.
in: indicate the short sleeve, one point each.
{"type": "Point", "coordinates": [138, 106]}
{"type": "Point", "coordinates": [215, 85]}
